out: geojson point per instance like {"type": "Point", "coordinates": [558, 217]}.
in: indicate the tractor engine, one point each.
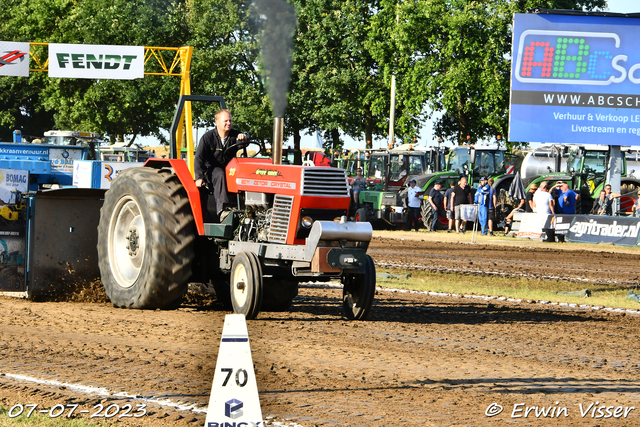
{"type": "Point", "coordinates": [254, 224]}
{"type": "Point", "coordinates": [281, 202]}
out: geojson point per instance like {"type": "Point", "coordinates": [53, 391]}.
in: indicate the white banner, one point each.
{"type": "Point", "coordinates": [87, 61]}
{"type": "Point", "coordinates": [14, 59]}
{"type": "Point", "coordinates": [531, 225]}
{"type": "Point", "coordinates": [12, 180]}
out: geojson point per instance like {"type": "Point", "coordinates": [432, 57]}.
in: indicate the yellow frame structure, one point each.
{"type": "Point", "coordinates": [179, 66]}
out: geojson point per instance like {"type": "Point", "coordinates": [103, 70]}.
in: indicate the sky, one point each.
{"type": "Point", "coordinates": [426, 135]}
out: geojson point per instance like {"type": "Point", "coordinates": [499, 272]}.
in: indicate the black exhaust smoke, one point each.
{"type": "Point", "coordinates": [276, 20]}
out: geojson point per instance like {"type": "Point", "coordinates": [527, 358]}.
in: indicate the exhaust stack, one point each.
{"type": "Point", "coordinates": [278, 140]}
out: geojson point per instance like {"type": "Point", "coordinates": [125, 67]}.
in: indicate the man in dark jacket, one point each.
{"type": "Point", "coordinates": [461, 196]}
{"type": "Point", "coordinates": [210, 160]}
{"type": "Point", "coordinates": [435, 199]}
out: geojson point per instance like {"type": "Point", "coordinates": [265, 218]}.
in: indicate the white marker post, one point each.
{"type": "Point", "coordinates": [234, 400]}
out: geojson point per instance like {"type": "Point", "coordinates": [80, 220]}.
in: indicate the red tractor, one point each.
{"type": "Point", "coordinates": [288, 226]}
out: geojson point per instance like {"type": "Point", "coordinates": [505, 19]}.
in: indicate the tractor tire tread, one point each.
{"type": "Point", "coordinates": [170, 238]}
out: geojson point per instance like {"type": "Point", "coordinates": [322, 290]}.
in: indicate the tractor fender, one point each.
{"type": "Point", "coordinates": [182, 172]}
{"type": "Point", "coordinates": [503, 182]}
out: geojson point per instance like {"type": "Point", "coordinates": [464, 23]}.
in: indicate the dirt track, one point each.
{"type": "Point", "coordinates": [419, 359]}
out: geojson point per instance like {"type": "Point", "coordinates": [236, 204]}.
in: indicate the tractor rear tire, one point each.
{"type": "Point", "coordinates": [427, 216]}
{"type": "Point", "coordinates": [358, 292]}
{"type": "Point", "coordinates": [361, 215]}
{"type": "Point", "coordinates": [146, 240]}
{"type": "Point", "coordinates": [246, 285]}
{"type": "Point", "coordinates": [501, 212]}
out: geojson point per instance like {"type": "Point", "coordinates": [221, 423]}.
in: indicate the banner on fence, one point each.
{"type": "Point", "coordinates": [14, 59]}
{"type": "Point", "coordinates": [85, 61]}
{"type": "Point", "coordinates": [598, 229]}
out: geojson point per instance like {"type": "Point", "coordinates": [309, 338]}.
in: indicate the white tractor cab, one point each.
{"type": "Point", "coordinates": [72, 138]}
{"type": "Point", "coordinates": [119, 152]}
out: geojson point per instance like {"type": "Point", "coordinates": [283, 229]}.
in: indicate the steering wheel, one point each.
{"type": "Point", "coordinates": [240, 145]}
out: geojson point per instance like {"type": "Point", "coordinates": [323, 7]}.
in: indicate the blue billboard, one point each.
{"type": "Point", "coordinates": [575, 80]}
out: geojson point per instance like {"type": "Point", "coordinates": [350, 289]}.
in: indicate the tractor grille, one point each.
{"type": "Point", "coordinates": [330, 182]}
{"type": "Point", "coordinates": [280, 218]}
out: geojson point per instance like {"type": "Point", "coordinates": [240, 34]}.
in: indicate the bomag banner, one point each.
{"type": "Point", "coordinates": [13, 220]}
{"type": "Point", "coordinates": [85, 61]}
{"type": "Point", "coordinates": [575, 79]}
{"type": "Point", "coordinates": [598, 229]}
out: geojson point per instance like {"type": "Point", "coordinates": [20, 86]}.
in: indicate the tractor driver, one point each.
{"type": "Point", "coordinates": [209, 161]}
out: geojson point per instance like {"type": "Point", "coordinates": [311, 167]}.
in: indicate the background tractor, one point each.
{"type": "Point", "coordinates": [585, 172]}
{"type": "Point", "coordinates": [472, 162]}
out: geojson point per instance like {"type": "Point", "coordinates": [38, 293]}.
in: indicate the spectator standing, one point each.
{"type": "Point", "coordinates": [609, 196]}
{"type": "Point", "coordinates": [435, 199]}
{"type": "Point", "coordinates": [483, 200]}
{"type": "Point", "coordinates": [636, 207]}
{"type": "Point", "coordinates": [567, 200]}
{"type": "Point", "coordinates": [543, 200]}
{"type": "Point", "coordinates": [600, 205]}
{"type": "Point", "coordinates": [448, 197]}
{"type": "Point", "coordinates": [414, 196]}
{"type": "Point", "coordinates": [357, 186]}
{"type": "Point", "coordinates": [528, 204]}
{"type": "Point", "coordinates": [555, 192]}
{"type": "Point", "coordinates": [461, 196]}
{"type": "Point", "coordinates": [492, 206]}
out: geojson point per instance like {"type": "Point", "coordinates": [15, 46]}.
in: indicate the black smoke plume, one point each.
{"type": "Point", "coordinates": [276, 20]}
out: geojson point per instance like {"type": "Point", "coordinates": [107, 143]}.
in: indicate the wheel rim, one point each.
{"type": "Point", "coordinates": [239, 282]}
{"type": "Point", "coordinates": [350, 300]}
{"type": "Point", "coordinates": [127, 242]}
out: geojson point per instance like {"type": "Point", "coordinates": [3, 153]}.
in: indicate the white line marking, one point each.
{"type": "Point", "coordinates": [101, 391]}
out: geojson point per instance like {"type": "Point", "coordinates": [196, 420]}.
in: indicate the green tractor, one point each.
{"type": "Point", "coordinates": [383, 202]}
{"type": "Point", "coordinates": [377, 204]}
{"type": "Point", "coordinates": [586, 172]}
{"type": "Point", "coordinates": [472, 162]}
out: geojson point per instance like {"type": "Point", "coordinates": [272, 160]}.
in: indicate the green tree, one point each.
{"type": "Point", "coordinates": [337, 81]}
{"type": "Point", "coordinates": [113, 107]}
{"type": "Point", "coordinates": [453, 57]}
{"type": "Point", "coordinates": [225, 63]}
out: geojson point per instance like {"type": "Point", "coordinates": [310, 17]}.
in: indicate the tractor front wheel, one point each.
{"type": "Point", "coordinates": [146, 239]}
{"type": "Point", "coordinates": [358, 292]}
{"type": "Point", "coordinates": [246, 284]}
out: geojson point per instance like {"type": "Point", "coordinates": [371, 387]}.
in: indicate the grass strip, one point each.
{"type": "Point", "coordinates": [518, 288]}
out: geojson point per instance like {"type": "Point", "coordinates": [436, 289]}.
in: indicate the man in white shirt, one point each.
{"type": "Point", "coordinates": [543, 200]}
{"type": "Point", "coordinates": [414, 194]}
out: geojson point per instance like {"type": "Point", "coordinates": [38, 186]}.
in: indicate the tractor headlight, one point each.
{"type": "Point", "coordinates": [306, 221]}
